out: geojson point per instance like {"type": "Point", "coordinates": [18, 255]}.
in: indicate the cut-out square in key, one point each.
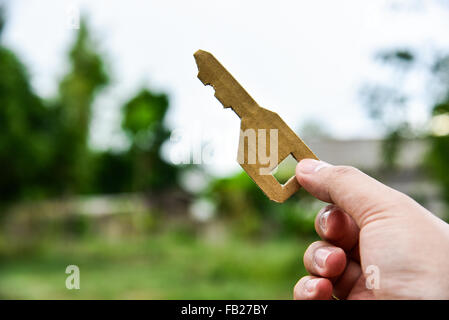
{"type": "Point", "coordinates": [285, 169]}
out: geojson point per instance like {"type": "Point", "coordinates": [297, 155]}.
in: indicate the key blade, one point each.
{"type": "Point", "coordinates": [227, 90]}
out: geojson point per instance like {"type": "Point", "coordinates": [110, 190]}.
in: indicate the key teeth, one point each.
{"type": "Point", "coordinates": [216, 95]}
{"type": "Point", "coordinates": [200, 57]}
{"type": "Point", "coordinates": [204, 81]}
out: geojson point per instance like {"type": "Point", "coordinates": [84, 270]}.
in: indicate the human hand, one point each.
{"type": "Point", "coordinates": [370, 230]}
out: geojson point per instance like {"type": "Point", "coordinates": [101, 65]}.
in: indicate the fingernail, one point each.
{"type": "Point", "coordinates": [321, 256]}
{"type": "Point", "coordinates": [323, 218]}
{"type": "Point", "coordinates": [311, 165]}
{"type": "Point", "coordinates": [310, 285]}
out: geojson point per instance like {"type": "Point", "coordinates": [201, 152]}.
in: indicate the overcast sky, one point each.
{"type": "Point", "coordinates": [305, 60]}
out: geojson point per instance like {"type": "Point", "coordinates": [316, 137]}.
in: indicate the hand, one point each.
{"type": "Point", "coordinates": [370, 232]}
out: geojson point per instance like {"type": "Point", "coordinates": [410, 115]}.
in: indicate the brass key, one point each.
{"type": "Point", "coordinates": [260, 126]}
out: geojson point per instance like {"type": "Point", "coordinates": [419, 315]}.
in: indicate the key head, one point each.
{"type": "Point", "coordinates": [287, 143]}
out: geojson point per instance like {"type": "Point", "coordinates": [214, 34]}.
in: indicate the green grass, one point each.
{"type": "Point", "coordinates": [156, 267]}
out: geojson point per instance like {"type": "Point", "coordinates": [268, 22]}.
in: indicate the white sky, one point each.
{"type": "Point", "coordinates": [305, 60]}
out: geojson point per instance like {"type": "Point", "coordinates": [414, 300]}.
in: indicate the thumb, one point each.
{"type": "Point", "coordinates": [359, 195]}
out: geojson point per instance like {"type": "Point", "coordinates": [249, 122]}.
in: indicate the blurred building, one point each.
{"type": "Point", "coordinates": [408, 176]}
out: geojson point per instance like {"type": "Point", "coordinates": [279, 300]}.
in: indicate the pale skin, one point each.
{"type": "Point", "coordinates": [370, 224]}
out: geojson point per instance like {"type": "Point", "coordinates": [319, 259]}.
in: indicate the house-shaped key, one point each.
{"type": "Point", "coordinates": [262, 131]}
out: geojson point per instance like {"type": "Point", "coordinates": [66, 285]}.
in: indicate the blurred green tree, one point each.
{"type": "Point", "coordinates": [2, 20]}
{"type": "Point", "coordinates": [143, 122]}
{"type": "Point", "coordinates": [387, 104]}
{"type": "Point", "coordinates": [438, 157]}
{"type": "Point", "coordinates": [141, 167]}
{"type": "Point", "coordinates": [25, 138]}
{"type": "Point", "coordinates": [72, 166]}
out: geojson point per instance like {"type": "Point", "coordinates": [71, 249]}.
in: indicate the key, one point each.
{"type": "Point", "coordinates": [269, 139]}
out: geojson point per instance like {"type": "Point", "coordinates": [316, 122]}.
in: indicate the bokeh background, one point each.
{"type": "Point", "coordinates": [105, 132]}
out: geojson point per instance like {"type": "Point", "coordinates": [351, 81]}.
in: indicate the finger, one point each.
{"type": "Point", "coordinates": [313, 288]}
{"type": "Point", "coordinates": [325, 260]}
{"type": "Point", "coordinates": [344, 284]}
{"type": "Point", "coordinates": [359, 195]}
{"type": "Point", "coordinates": [354, 253]}
{"type": "Point", "coordinates": [337, 227]}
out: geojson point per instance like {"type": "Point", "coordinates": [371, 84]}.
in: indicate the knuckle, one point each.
{"type": "Point", "coordinates": [343, 171]}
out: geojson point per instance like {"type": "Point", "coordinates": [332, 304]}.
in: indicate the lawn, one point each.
{"type": "Point", "coordinates": [162, 266]}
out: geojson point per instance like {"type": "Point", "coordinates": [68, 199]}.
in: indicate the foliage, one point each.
{"type": "Point", "coordinates": [438, 156]}
{"type": "Point", "coordinates": [437, 160]}
{"type": "Point", "coordinates": [143, 121]}
{"type": "Point", "coordinates": [141, 167]}
{"type": "Point", "coordinates": [77, 91]}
